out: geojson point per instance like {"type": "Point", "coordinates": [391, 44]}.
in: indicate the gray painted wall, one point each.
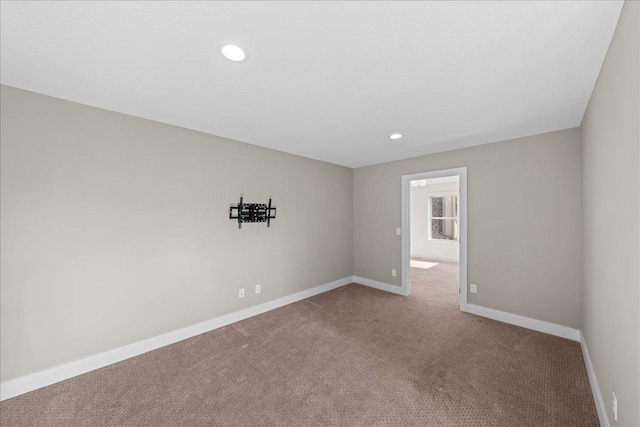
{"type": "Point", "coordinates": [611, 212]}
{"type": "Point", "coordinates": [524, 223]}
{"type": "Point", "coordinates": [115, 229]}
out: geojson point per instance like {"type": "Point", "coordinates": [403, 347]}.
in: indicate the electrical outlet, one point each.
{"type": "Point", "coordinates": [615, 406]}
{"type": "Point", "coordinates": [258, 288]}
{"type": "Point", "coordinates": [398, 231]}
{"type": "Point", "coordinates": [393, 273]}
{"type": "Point", "coordinates": [474, 288]}
{"type": "Point", "coordinates": [241, 293]}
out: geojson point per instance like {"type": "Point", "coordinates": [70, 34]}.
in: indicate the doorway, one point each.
{"type": "Point", "coordinates": [435, 205]}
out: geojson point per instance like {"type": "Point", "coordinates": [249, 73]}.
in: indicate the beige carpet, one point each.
{"type": "Point", "coordinates": [354, 356]}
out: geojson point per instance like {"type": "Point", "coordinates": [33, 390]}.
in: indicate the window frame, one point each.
{"type": "Point", "coordinates": [431, 217]}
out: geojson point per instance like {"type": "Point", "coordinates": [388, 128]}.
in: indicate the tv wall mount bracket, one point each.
{"type": "Point", "coordinates": [252, 212]}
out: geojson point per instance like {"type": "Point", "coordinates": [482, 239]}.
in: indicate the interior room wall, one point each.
{"type": "Point", "coordinates": [421, 245]}
{"type": "Point", "coordinates": [116, 229]}
{"type": "Point", "coordinates": [524, 223]}
{"type": "Point", "coordinates": [611, 215]}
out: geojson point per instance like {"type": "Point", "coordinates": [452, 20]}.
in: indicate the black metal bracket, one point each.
{"type": "Point", "coordinates": [252, 212]}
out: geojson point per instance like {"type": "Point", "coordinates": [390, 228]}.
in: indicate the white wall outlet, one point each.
{"type": "Point", "coordinates": [258, 288]}
{"type": "Point", "coordinates": [473, 288]}
{"type": "Point", "coordinates": [393, 273]}
{"type": "Point", "coordinates": [398, 231]}
{"type": "Point", "coordinates": [615, 407]}
{"type": "Point", "coordinates": [241, 293]}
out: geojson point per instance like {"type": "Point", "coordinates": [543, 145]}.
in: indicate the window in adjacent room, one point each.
{"type": "Point", "coordinates": [444, 217]}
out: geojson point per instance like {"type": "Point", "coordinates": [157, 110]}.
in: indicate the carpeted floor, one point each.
{"type": "Point", "coordinates": [354, 356]}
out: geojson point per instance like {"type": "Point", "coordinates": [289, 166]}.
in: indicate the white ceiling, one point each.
{"type": "Point", "coordinates": [326, 80]}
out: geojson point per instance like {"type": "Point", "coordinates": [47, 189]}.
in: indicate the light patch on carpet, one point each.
{"type": "Point", "coordinates": [422, 264]}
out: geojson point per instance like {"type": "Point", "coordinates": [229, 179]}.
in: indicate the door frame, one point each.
{"type": "Point", "coordinates": [406, 227]}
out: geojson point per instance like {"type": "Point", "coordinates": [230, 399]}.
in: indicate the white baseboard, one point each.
{"type": "Point", "coordinates": [595, 388]}
{"type": "Point", "coordinates": [379, 285]}
{"type": "Point", "coordinates": [525, 322]}
{"type": "Point", "coordinates": [18, 386]}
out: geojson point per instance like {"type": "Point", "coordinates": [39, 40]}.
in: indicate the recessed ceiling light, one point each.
{"type": "Point", "coordinates": [233, 53]}
{"type": "Point", "coordinates": [395, 136]}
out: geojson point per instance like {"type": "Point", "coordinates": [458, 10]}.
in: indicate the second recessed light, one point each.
{"type": "Point", "coordinates": [395, 136]}
{"type": "Point", "coordinates": [233, 53]}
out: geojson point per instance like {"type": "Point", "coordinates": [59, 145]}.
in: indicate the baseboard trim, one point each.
{"type": "Point", "coordinates": [593, 381]}
{"type": "Point", "coordinates": [525, 322]}
{"type": "Point", "coordinates": [378, 285]}
{"type": "Point", "coordinates": [25, 384]}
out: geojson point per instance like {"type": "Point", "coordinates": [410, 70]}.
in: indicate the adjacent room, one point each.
{"type": "Point", "coordinates": [434, 224]}
{"type": "Point", "coordinates": [307, 213]}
